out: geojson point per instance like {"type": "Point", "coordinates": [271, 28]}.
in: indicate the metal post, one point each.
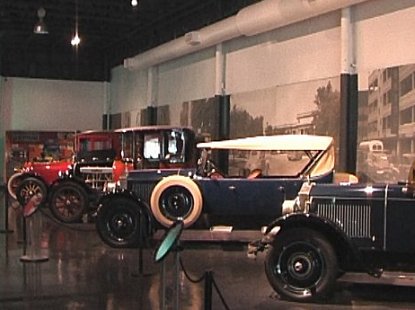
{"type": "Point", "coordinates": [163, 286]}
{"type": "Point", "coordinates": [6, 211]}
{"type": "Point", "coordinates": [33, 251]}
{"type": "Point", "coordinates": [176, 279]}
{"type": "Point", "coordinates": [208, 290]}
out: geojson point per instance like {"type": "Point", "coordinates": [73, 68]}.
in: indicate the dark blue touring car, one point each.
{"type": "Point", "coordinates": [263, 172]}
{"type": "Point", "coordinates": [330, 229]}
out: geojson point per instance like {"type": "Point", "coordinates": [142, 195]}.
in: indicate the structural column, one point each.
{"type": "Point", "coordinates": [349, 97]}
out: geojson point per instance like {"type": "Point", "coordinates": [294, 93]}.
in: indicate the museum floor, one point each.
{"type": "Point", "coordinates": [82, 273]}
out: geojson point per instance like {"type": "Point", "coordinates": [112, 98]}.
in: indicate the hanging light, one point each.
{"type": "Point", "coordinates": [134, 2]}
{"type": "Point", "coordinates": [76, 40]}
{"type": "Point", "coordinates": [40, 26]}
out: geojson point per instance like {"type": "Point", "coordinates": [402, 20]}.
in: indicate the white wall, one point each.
{"type": "Point", "coordinates": [308, 50]}
{"type": "Point", "coordinates": [128, 90]}
{"type": "Point", "coordinates": [385, 36]}
{"type": "Point", "coordinates": [36, 104]}
{"type": "Point", "coordinates": [189, 78]}
{"type": "Point", "coordinates": [300, 52]}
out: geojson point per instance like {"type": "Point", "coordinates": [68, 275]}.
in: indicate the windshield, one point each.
{"type": "Point", "coordinates": [272, 163]}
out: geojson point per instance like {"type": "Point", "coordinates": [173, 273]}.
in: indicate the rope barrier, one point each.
{"type": "Point", "coordinates": [208, 274]}
{"type": "Point", "coordinates": [198, 280]}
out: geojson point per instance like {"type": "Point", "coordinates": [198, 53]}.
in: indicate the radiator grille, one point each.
{"type": "Point", "coordinates": [143, 190]}
{"type": "Point", "coordinates": [354, 219]}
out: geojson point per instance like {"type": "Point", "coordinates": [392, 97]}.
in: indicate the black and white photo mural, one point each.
{"type": "Point", "coordinates": [202, 115]}
{"type": "Point", "coordinates": [386, 130]}
{"type": "Point", "coordinates": [311, 107]}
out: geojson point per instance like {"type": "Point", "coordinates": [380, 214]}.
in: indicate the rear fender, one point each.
{"type": "Point", "coordinates": [348, 254]}
{"type": "Point", "coordinates": [68, 177]}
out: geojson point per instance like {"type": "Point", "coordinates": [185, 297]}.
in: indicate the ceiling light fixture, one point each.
{"type": "Point", "coordinates": [134, 2]}
{"type": "Point", "coordinates": [76, 40]}
{"type": "Point", "coordinates": [40, 26]}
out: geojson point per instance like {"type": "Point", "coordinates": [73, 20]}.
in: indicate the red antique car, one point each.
{"type": "Point", "coordinates": [38, 175]}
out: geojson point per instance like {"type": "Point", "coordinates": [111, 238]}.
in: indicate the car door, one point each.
{"type": "Point", "coordinates": [239, 196]}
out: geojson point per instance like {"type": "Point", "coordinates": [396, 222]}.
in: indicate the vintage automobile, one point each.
{"type": "Point", "coordinates": [100, 166]}
{"type": "Point", "coordinates": [331, 229]}
{"type": "Point", "coordinates": [206, 197]}
{"type": "Point", "coordinates": [35, 177]}
{"type": "Point", "coordinates": [41, 176]}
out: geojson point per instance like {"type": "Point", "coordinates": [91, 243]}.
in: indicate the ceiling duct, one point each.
{"type": "Point", "coordinates": [251, 20]}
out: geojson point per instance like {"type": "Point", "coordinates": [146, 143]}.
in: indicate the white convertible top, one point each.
{"type": "Point", "coordinates": [273, 143]}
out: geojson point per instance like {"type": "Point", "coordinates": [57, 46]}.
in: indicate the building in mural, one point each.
{"type": "Point", "coordinates": [388, 116]}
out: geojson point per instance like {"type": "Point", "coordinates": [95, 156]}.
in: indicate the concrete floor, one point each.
{"type": "Point", "coordinates": [82, 273]}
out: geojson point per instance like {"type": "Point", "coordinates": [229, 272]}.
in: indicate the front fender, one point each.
{"type": "Point", "coordinates": [349, 255]}
{"type": "Point", "coordinates": [142, 205]}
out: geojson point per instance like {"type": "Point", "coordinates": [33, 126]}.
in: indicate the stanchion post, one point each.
{"type": "Point", "coordinates": [208, 290]}
{"type": "Point", "coordinates": [33, 228]}
{"type": "Point", "coordinates": [6, 211]}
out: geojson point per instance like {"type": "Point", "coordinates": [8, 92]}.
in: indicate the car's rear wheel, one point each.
{"type": "Point", "coordinates": [176, 198]}
{"type": "Point", "coordinates": [118, 223]}
{"type": "Point", "coordinates": [29, 187]}
{"type": "Point", "coordinates": [68, 202]}
{"type": "Point", "coordinates": [301, 265]}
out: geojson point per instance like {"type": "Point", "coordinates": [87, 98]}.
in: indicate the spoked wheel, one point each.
{"type": "Point", "coordinates": [68, 202]}
{"type": "Point", "coordinates": [301, 265]}
{"type": "Point", "coordinates": [29, 187]}
{"type": "Point", "coordinates": [118, 223]}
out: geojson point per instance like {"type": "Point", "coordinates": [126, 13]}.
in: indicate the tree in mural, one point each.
{"type": "Point", "coordinates": [244, 125]}
{"type": "Point", "coordinates": [326, 120]}
{"type": "Point", "coordinates": [204, 117]}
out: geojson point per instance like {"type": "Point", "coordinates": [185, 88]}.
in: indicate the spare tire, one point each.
{"type": "Point", "coordinates": [29, 187]}
{"type": "Point", "coordinates": [174, 198]}
{"type": "Point", "coordinates": [13, 183]}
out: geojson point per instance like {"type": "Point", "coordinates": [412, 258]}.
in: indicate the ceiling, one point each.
{"type": "Point", "coordinates": [110, 30]}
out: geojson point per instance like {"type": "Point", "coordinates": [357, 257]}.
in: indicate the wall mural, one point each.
{"type": "Point", "coordinates": [386, 131]}
{"type": "Point", "coordinates": [202, 115]}
{"type": "Point", "coordinates": [310, 107]}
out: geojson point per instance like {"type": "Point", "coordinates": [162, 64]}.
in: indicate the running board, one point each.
{"type": "Point", "coordinates": [215, 234]}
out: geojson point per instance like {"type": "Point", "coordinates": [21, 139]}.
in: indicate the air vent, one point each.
{"type": "Point", "coordinates": [192, 38]}
{"type": "Point", "coordinates": [354, 219]}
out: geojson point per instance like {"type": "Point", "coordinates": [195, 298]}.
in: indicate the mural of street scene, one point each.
{"type": "Point", "coordinates": [311, 107]}
{"type": "Point", "coordinates": [386, 131]}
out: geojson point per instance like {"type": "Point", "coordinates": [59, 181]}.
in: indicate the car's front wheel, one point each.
{"type": "Point", "coordinates": [301, 265]}
{"type": "Point", "coordinates": [118, 223]}
{"type": "Point", "coordinates": [68, 202]}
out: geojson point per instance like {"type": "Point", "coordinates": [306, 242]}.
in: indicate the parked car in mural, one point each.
{"type": "Point", "coordinates": [101, 165]}
{"type": "Point", "coordinates": [205, 197]}
{"type": "Point", "coordinates": [405, 164]}
{"type": "Point", "coordinates": [374, 163]}
{"type": "Point", "coordinates": [331, 229]}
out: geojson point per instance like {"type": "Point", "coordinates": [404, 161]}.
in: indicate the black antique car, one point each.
{"type": "Point", "coordinates": [330, 229]}
{"type": "Point", "coordinates": [104, 158]}
{"type": "Point", "coordinates": [206, 198]}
